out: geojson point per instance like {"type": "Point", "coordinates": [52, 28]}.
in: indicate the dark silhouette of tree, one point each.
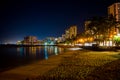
{"type": "Point", "coordinates": [100, 28]}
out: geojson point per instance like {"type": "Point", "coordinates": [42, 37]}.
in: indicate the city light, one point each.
{"type": "Point", "coordinates": [74, 48]}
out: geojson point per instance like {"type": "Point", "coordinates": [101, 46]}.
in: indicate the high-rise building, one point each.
{"type": "Point", "coordinates": [63, 37]}
{"type": "Point", "coordinates": [30, 40]}
{"type": "Point", "coordinates": [87, 31]}
{"type": "Point", "coordinates": [67, 34]}
{"type": "Point", "coordinates": [50, 41]}
{"type": "Point", "coordinates": [114, 9]}
{"type": "Point", "coordinates": [71, 32]}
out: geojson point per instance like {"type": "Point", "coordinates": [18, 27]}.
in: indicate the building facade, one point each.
{"type": "Point", "coordinates": [63, 37]}
{"type": "Point", "coordinates": [30, 40]}
{"type": "Point", "coordinates": [67, 34]}
{"type": "Point", "coordinates": [71, 32]}
{"type": "Point", "coordinates": [114, 9]}
{"type": "Point", "coordinates": [86, 23]}
{"type": "Point", "coordinates": [50, 41]}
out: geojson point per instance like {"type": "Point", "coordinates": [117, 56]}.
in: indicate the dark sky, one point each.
{"type": "Point", "coordinates": [46, 18]}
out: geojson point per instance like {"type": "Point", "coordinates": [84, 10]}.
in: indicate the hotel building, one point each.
{"type": "Point", "coordinates": [114, 9]}
{"type": "Point", "coordinates": [30, 40]}
{"type": "Point", "coordinates": [71, 32]}
{"type": "Point", "coordinates": [87, 31]}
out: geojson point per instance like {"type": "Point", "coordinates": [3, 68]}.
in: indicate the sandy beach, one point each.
{"type": "Point", "coordinates": [72, 64]}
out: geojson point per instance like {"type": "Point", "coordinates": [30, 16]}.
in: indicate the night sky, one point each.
{"type": "Point", "coordinates": [46, 18]}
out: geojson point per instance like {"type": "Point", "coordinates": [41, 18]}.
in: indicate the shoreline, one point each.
{"type": "Point", "coordinates": [28, 69]}
{"type": "Point", "coordinates": [64, 64]}
{"type": "Point", "coordinates": [24, 64]}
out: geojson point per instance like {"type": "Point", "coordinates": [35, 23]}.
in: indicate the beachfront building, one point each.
{"type": "Point", "coordinates": [50, 41]}
{"type": "Point", "coordinates": [63, 38]}
{"type": "Point", "coordinates": [31, 40]}
{"type": "Point", "coordinates": [86, 23]}
{"type": "Point", "coordinates": [71, 32]}
{"type": "Point", "coordinates": [67, 35]}
{"type": "Point", "coordinates": [114, 9]}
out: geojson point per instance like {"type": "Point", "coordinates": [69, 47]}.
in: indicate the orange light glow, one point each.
{"type": "Point", "coordinates": [81, 40]}
{"type": "Point", "coordinates": [111, 36]}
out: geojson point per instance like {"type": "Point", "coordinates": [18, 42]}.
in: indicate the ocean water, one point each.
{"type": "Point", "coordinates": [13, 56]}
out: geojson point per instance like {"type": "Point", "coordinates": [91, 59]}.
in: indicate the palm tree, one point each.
{"type": "Point", "coordinates": [94, 28]}
{"type": "Point", "coordinates": [100, 28]}
{"type": "Point", "coordinates": [111, 23]}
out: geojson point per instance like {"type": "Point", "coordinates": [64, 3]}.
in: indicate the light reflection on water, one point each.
{"type": "Point", "coordinates": [46, 54]}
{"type": "Point", "coordinates": [16, 56]}
{"type": "Point", "coordinates": [39, 51]}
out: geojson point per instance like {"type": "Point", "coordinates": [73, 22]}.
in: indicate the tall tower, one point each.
{"type": "Point", "coordinates": [73, 31]}
{"type": "Point", "coordinates": [114, 9]}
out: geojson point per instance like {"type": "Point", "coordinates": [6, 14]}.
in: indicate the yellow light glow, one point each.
{"type": "Point", "coordinates": [81, 40]}
{"type": "Point", "coordinates": [91, 39]}
{"type": "Point", "coordinates": [115, 32]}
{"type": "Point", "coordinates": [88, 38]}
{"type": "Point", "coordinates": [111, 36]}
{"type": "Point", "coordinates": [85, 39]}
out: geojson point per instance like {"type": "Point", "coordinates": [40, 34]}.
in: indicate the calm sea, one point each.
{"type": "Point", "coordinates": [11, 57]}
